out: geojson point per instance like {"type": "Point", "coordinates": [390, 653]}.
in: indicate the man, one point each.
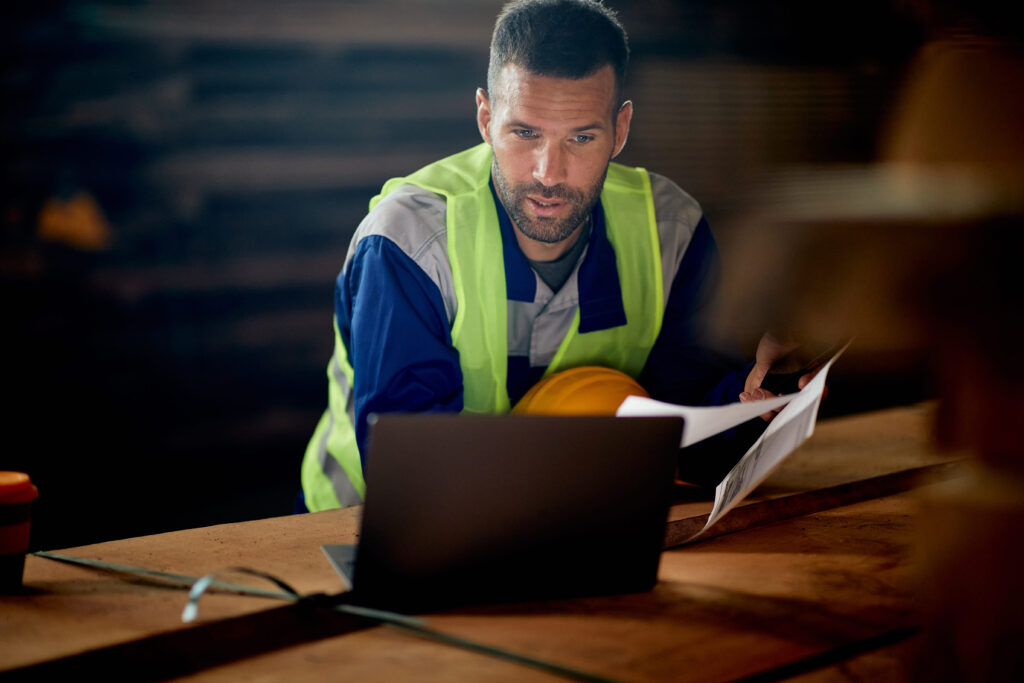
{"type": "Point", "coordinates": [528, 254]}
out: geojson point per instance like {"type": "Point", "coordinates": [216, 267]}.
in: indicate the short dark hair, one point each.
{"type": "Point", "coordinates": [559, 38]}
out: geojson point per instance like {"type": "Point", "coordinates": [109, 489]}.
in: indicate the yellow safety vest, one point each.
{"type": "Point", "coordinates": [479, 330]}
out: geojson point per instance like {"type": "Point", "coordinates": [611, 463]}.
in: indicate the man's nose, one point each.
{"type": "Point", "coordinates": [549, 167]}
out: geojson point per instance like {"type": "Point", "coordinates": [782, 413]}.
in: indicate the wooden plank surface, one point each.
{"type": "Point", "coordinates": [768, 509]}
{"type": "Point", "coordinates": [67, 609]}
{"type": "Point", "coordinates": [723, 607]}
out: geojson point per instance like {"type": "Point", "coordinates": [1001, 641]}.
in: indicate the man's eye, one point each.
{"type": "Point", "coordinates": [583, 139]}
{"type": "Point", "coordinates": [524, 133]}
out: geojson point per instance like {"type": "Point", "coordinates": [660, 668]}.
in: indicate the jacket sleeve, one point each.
{"type": "Point", "coordinates": [392, 321]}
{"type": "Point", "coordinates": [685, 368]}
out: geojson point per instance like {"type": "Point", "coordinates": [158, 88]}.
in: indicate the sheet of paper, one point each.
{"type": "Point", "coordinates": [701, 422]}
{"type": "Point", "coordinates": [790, 428]}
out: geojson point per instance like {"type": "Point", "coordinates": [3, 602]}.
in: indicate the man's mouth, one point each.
{"type": "Point", "coordinates": [545, 206]}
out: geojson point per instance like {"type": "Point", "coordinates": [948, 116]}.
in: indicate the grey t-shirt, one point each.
{"type": "Point", "coordinates": [555, 273]}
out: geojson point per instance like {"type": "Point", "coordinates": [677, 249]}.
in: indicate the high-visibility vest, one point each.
{"type": "Point", "coordinates": [332, 473]}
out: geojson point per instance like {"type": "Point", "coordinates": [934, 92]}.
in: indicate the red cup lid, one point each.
{"type": "Point", "coordinates": [16, 487]}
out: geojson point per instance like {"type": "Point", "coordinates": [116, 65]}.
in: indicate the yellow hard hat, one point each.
{"type": "Point", "coordinates": [588, 390]}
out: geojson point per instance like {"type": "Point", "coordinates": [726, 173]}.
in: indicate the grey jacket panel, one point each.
{"type": "Point", "coordinates": [537, 329]}
{"type": "Point", "coordinates": [677, 215]}
{"type": "Point", "coordinates": [414, 219]}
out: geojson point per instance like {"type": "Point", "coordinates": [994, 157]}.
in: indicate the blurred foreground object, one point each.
{"type": "Point", "coordinates": [971, 599]}
{"type": "Point", "coordinates": [824, 253]}
{"type": "Point", "coordinates": [919, 255]}
{"type": "Point", "coordinates": [964, 107]}
{"type": "Point", "coordinates": [962, 104]}
{"type": "Point", "coordinates": [588, 390]}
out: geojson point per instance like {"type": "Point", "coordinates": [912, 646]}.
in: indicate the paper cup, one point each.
{"type": "Point", "coordinates": [16, 495]}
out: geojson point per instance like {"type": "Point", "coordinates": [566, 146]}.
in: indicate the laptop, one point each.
{"type": "Point", "coordinates": [464, 510]}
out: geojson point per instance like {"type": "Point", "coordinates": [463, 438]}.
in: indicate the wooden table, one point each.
{"type": "Point", "coordinates": [821, 592]}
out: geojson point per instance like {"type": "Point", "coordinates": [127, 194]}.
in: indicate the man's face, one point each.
{"type": "Point", "coordinates": [552, 140]}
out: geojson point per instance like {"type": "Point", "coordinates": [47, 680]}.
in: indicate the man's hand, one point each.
{"type": "Point", "coordinates": [770, 350]}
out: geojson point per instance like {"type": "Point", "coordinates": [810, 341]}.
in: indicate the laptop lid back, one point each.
{"type": "Point", "coordinates": [472, 509]}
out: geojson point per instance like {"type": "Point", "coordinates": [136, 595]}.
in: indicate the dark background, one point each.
{"type": "Point", "coordinates": [171, 378]}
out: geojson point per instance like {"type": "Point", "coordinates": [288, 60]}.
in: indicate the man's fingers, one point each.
{"type": "Point", "coordinates": [755, 377]}
{"type": "Point", "coordinates": [760, 394]}
{"type": "Point", "coordinates": [806, 378]}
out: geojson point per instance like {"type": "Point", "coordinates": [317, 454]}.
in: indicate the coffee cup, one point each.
{"type": "Point", "coordinates": [16, 495]}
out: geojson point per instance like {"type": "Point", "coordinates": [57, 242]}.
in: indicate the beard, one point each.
{"type": "Point", "coordinates": [540, 228]}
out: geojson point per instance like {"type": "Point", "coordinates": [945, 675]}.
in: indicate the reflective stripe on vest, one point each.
{"type": "Point", "coordinates": [479, 330]}
{"type": "Point", "coordinates": [332, 474]}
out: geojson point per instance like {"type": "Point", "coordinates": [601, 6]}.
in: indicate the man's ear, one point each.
{"type": "Point", "coordinates": [622, 120]}
{"type": "Point", "coordinates": [483, 114]}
